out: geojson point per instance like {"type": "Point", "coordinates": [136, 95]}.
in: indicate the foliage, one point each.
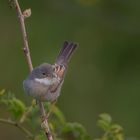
{"type": "Point", "coordinates": [14, 105]}
{"type": "Point", "coordinates": [112, 131]}
{"type": "Point", "coordinates": [61, 129]}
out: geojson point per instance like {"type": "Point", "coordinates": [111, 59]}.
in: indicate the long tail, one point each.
{"type": "Point", "coordinates": [66, 53]}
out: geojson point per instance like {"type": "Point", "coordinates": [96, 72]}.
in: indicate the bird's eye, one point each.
{"type": "Point", "coordinates": [43, 73]}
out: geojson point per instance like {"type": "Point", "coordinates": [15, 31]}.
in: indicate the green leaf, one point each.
{"type": "Point", "coordinates": [119, 137]}
{"type": "Point", "coordinates": [111, 131]}
{"type": "Point", "coordinates": [15, 106]}
{"type": "Point", "coordinates": [76, 130]}
{"type": "Point", "coordinates": [105, 117]}
{"type": "Point", "coordinates": [103, 125]}
{"type": "Point", "coordinates": [104, 121]}
{"type": "Point", "coordinates": [115, 128]}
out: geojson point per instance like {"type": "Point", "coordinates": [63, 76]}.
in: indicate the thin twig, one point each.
{"type": "Point", "coordinates": [24, 35]}
{"type": "Point", "coordinates": [45, 124]}
{"type": "Point", "coordinates": [23, 129]}
{"type": "Point", "coordinates": [29, 62]}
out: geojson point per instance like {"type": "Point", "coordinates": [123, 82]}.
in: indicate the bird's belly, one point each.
{"type": "Point", "coordinates": [39, 91]}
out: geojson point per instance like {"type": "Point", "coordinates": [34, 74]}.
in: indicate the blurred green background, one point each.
{"type": "Point", "coordinates": [104, 74]}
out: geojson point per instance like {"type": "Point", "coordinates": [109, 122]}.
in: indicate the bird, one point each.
{"type": "Point", "coordinates": [44, 83]}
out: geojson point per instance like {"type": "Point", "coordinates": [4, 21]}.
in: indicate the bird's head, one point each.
{"type": "Point", "coordinates": [45, 74]}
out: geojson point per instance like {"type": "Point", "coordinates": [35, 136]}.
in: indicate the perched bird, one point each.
{"type": "Point", "coordinates": [45, 81]}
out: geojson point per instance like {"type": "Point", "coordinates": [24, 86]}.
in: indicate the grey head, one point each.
{"type": "Point", "coordinates": [44, 70]}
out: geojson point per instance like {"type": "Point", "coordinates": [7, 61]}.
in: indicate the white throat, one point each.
{"type": "Point", "coordinates": [44, 81]}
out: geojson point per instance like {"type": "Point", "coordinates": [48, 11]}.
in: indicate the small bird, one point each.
{"type": "Point", "coordinates": [45, 81]}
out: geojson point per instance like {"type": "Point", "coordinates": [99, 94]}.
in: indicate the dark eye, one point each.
{"type": "Point", "coordinates": [43, 73]}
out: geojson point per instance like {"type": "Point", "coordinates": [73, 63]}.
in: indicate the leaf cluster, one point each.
{"type": "Point", "coordinates": [60, 128]}
{"type": "Point", "coordinates": [112, 131]}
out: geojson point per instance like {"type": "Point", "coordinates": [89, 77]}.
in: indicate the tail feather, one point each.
{"type": "Point", "coordinates": [69, 51]}
{"type": "Point", "coordinates": [66, 53]}
{"type": "Point", "coordinates": [63, 48]}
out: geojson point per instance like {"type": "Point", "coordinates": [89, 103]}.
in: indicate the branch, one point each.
{"type": "Point", "coordinates": [23, 129]}
{"type": "Point", "coordinates": [44, 119]}
{"type": "Point", "coordinates": [29, 62]}
{"type": "Point", "coordinates": [24, 35]}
